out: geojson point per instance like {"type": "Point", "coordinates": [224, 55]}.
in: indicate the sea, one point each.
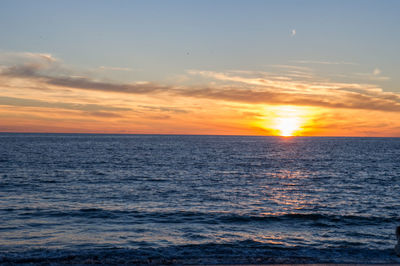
{"type": "Point", "coordinates": [180, 199]}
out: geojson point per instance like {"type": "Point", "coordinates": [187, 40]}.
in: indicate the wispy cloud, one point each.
{"type": "Point", "coordinates": [18, 57]}
{"type": "Point", "coordinates": [89, 84]}
{"type": "Point", "coordinates": [315, 62]}
{"type": "Point", "coordinates": [376, 71]}
{"type": "Point", "coordinates": [322, 94]}
{"type": "Point", "coordinates": [104, 114]}
{"type": "Point", "coordinates": [375, 75]}
{"type": "Point", "coordinates": [40, 73]}
{"type": "Point", "coordinates": [116, 68]}
{"type": "Point", "coordinates": [164, 109]}
{"type": "Point", "coordinates": [243, 87]}
{"type": "Point", "coordinates": [24, 102]}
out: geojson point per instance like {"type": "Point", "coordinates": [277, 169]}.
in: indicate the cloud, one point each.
{"type": "Point", "coordinates": [260, 90]}
{"type": "Point", "coordinates": [48, 70]}
{"type": "Point", "coordinates": [376, 71]}
{"type": "Point", "coordinates": [104, 114]}
{"type": "Point", "coordinates": [312, 62]}
{"type": "Point", "coordinates": [13, 57]}
{"type": "Point", "coordinates": [38, 71]}
{"type": "Point", "coordinates": [159, 117]}
{"type": "Point", "coordinates": [115, 68]}
{"type": "Point", "coordinates": [88, 84]}
{"type": "Point", "coordinates": [235, 86]}
{"type": "Point", "coordinates": [346, 100]}
{"type": "Point", "coordinates": [25, 70]}
{"type": "Point", "coordinates": [164, 109]}
{"type": "Point", "coordinates": [28, 63]}
{"type": "Point", "coordinates": [375, 75]}
{"type": "Point", "coordinates": [23, 102]}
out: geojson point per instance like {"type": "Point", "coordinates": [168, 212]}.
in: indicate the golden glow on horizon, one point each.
{"type": "Point", "coordinates": [287, 125]}
{"type": "Point", "coordinates": [287, 121]}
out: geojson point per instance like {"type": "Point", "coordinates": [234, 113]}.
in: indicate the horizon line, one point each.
{"type": "Point", "coordinates": [173, 134]}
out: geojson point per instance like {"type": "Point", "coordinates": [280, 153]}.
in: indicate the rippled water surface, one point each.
{"type": "Point", "coordinates": [197, 199]}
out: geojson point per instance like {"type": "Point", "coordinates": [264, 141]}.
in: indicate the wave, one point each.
{"type": "Point", "coordinates": [239, 252]}
{"type": "Point", "coordinates": [317, 219]}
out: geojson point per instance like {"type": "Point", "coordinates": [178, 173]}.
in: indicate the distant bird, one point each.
{"type": "Point", "coordinates": [397, 247]}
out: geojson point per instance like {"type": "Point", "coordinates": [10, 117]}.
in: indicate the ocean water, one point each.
{"type": "Point", "coordinates": [77, 198]}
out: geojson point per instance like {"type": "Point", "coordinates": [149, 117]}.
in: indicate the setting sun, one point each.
{"type": "Point", "coordinates": [287, 121]}
{"type": "Point", "coordinates": [288, 126]}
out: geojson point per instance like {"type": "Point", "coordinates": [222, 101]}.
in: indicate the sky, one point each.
{"type": "Point", "coordinates": [285, 68]}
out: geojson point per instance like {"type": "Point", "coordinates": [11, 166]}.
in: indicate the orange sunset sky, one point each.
{"type": "Point", "coordinates": [287, 68]}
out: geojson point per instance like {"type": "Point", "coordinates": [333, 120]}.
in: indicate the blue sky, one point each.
{"type": "Point", "coordinates": [162, 38]}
